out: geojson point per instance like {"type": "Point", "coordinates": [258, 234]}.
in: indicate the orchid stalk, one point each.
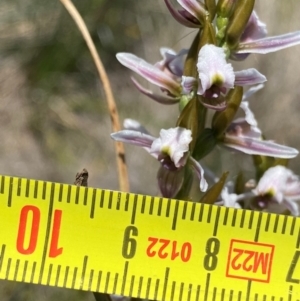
{"type": "Point", "coordinates": [207, 88]}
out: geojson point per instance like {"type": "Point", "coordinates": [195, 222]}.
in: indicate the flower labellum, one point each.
{"type": "Point", "coordinates": [277, 189]}
{"type": "Point", "coordinates": [173, 144]}
{"type": "Point", "coordinates": [216, 75]}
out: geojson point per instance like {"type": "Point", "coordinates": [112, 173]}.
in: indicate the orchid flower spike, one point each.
{"type": "Point", "coordinates": [166, 74]}
{"type": "Point", "coordinates": [171, 149]}
{"type": "Point", "coordinates": [217, 76]}
{"type": "Point", "coordinates": [277, 190]}
{"type": "Point", "coordinates": [254, 40]}
{"type": "Point", "coordinates": [243, 135]}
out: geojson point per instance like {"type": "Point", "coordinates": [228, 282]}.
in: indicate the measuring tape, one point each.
{"type": "Point", "coordinates": [142, 246]}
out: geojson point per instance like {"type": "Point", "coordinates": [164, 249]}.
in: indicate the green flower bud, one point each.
{"type": "Point", "coordinates": [221, 25]}
{"type": "Point", "coordinates": [212, 194]}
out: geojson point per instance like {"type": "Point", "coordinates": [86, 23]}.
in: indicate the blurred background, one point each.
{"type": "Point", "coordinates": [53, 115]}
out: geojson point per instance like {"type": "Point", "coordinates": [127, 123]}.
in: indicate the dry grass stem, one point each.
{"type": "Point", "coordinates": [119, 147]}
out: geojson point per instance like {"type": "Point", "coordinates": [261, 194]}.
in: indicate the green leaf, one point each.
{"type": "Point", "coordinates": [239, 183]}
{"type": "Point", "coordinates": [212, 194]}
{"type": "Point", "coordinates": [190, 65]}
{"type": "Point", "coordinates": [205, 144]}
{"type": "Point", "coordinates": [188, 119]}
{"type": "Point", "coordinates": [221, 120]}
{"type": "Point", "coordinates": [201, 116]}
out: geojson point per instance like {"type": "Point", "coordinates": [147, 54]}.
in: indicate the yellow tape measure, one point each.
{"type": "Point", "coordinates": [141, 246]}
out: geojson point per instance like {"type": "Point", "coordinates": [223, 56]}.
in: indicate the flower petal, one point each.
{"type": "Point", "coordinates": [173, 142]}
{"type": "Point", "coordinates": [188, 84]}
{"type": "Point", "coordinates": [172, 61]}
{"type": "Point", "coordinates": [194, 8]}
{"type": "Point", "coordinates": [131, 124]}
{"type": "Point", "coordinates": [249, 116]}
{"type": "Point", "coordinates": [292, 206]}
{"type": "Point", "coordinates": [248, 77]}
{"type": "Point", "coordinates": [179, 17]}
{"type": "Point", "coordinates": [282, 185]}
{"type": "Point", "coordinates": [163, 99]}
{"type": "Point", "coordinates": [251, 91]}
{"type": "Point", "coordinates": [273, 180]}
{"type": "Point", "coordinates": [217, 104]}
{"type": "Point", "coordinates": [133, 137]}
{"type": "Point", "coordinates": [245, 126]}
{"type": "Point", "coordinates": [255, 29]}
{"type": "Point", "coordinates": [270, 44]}
{"type": "Point", "coordinates": [199, 172]}
{"type": "Point", "coordinates": [229, 199]}
{"type": "Point", "coordinates": [241, 128]}
{"type": "Point", "coordinates": [292, 190]}
{"type": "Point", "coordinates": [168, 54]}
{"type": "Point", "coordinates": [213, 69]}
{"type": "Point", "coordinates": [253, 146]}
{"type": "Point", "coordinates": [149, 72]}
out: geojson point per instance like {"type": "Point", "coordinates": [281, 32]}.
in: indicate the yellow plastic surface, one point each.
{"type": "Point", "coordinates": [141, 246]}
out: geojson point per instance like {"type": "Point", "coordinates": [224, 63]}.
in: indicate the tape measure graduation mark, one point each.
{"type": "Point", "coordinates": [148, 247]}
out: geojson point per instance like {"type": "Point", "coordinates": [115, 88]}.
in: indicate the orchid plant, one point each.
{"type": "Point", "coordinates": [212, 97]}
